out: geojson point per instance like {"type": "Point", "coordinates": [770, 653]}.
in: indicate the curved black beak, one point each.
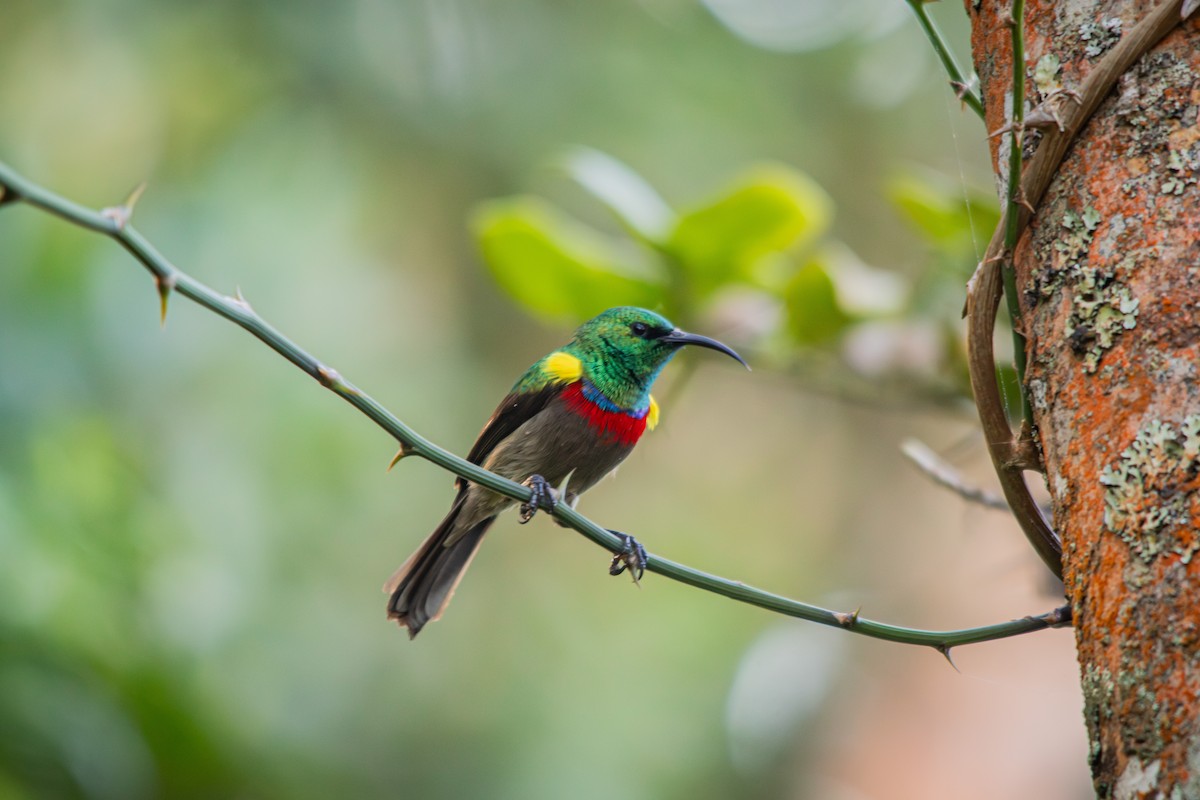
{"type": "Point", "coordinates": [680, 338]}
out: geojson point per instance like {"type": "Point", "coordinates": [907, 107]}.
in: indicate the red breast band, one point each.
{"type": "Point", "coordinates": [620, 427]}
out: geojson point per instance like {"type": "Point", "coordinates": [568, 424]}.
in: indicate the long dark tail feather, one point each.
{"type": "Point", "coordinates": [421, 589]}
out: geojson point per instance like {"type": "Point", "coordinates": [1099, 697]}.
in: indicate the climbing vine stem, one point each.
{"type": "Point", "coordinates": [1012, 216]}
{"type": "Point", "coordinates": [958, 80]}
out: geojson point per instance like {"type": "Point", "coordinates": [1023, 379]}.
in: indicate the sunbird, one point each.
{"type": "Point", "coordinates": [569, 421]}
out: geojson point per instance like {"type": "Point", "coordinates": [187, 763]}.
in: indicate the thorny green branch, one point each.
{"type": "Point", "coordinates": [114, 222]}
{"type": "Point", "coordinates": [961, 85]}
{"type": "Point", "coordinates": [1012, 228]}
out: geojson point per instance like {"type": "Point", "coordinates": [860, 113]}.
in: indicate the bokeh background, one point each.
{"type": "Point", "coordinates": [193, 534]}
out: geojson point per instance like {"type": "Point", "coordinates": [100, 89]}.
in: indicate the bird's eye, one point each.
{"type": "Point", "coordinates": [639, 329]}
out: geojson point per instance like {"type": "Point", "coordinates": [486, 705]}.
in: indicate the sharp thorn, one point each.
{"type": "Point", "coordinates": [120, 215]}
{"type": "Point", "coordinates": [944, 649]}
{"type": "Point", "coordinates": [403, 452]}
{"type": "Point", "coordinates": [239, 300]}
{"type": "Point", "coordinates": [562, 487]}
{"type": "Point", "coordinates": [133, 198]}
{"type": "Point", "coordinates": [165, 286]}
{"type": "Point", "coordinates": [1001, 130]}
{"type": "Point", "coordinates": [619, 565]}
{"type": "Point", "coordinates": [1040, 118]}
{"type": "Point", "coordinates": [1189, 7]}
{"type": "Point", "coordinates": [847, 620]}
{"type": "Point", "coordinates": [1020, 199]}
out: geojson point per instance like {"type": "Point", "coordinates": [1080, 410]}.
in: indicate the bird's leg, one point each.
{"type": "Point", "coordinates": [544, 497]}
{"type": "Point", "coordinates": [632, 557]}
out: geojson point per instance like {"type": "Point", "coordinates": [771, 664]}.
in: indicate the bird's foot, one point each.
{"type": "Point", "coordinates": [632, 557]}
{"type": "Point", "coordinates": [544, 497]}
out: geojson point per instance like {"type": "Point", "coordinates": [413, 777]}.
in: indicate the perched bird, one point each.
{"type": "Point", "coordinates": [571, 419]}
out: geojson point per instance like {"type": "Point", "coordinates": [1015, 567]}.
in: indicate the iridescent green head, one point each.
{"type": "Point", "coordinates": [623, 350]}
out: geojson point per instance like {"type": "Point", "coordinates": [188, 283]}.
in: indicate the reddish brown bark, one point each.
{"type": "Point", "coordinates": [1109, 271]}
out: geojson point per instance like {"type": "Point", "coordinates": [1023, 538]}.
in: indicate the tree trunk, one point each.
{"type": "Point", "coordinates": [1109, 273]}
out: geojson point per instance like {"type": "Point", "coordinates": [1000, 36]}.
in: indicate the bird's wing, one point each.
{"type": "Point", "coordinates": [514, 411]}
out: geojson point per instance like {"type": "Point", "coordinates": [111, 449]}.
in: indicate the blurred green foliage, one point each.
{"type": "Point", "coordinates": [766, 232]}
{"type": "Point", "coordinates": [561, 270]}
{"type": "Point", "coordinates": [192, 535]}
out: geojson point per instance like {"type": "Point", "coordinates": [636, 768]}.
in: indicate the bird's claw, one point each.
{"type": "Point", "coordinates": [544, 497]}
{"type": "Point", "coordinates": [632, 557]}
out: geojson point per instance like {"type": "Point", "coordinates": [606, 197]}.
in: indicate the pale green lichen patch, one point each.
{"type": "Point", "coordinates": [1155, 100]}
{"type": "Point", "coordinates": [1073, 244]}
{"type": "Point", "coordinates": [1047, 74]}
{"type": "Point", "coordinates": [1069, 251]}
{"type": "Point", "coordinates": [1144, 502]}
{"type": "Point", "coordinates": [1181, 169]}
{"type": "Point", "coordinates": [1101, 309]}
{"type": "Point", "coordinates": [1100, 36]}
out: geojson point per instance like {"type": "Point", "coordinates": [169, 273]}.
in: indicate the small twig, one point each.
{"type": "Point", "coordinates": [962, 88]}
{"type": "Point", "coordinates": [412, 443]}
{"type": "Point", "coordinates": [943, 474]}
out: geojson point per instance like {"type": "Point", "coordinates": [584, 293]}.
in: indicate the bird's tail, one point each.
{"type": "Point", "coordinates": [421, 589]}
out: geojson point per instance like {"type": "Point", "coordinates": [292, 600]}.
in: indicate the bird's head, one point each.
{"type": "Point", "coordinates": [629, 345]}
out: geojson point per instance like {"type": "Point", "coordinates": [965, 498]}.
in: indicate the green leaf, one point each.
{"type": "Point", "coordinates": [814, 314]}
{"type": "Point", "coordinates": [771, 209]}
{"type": "Point", "coordinates": [627, 194]}
{"type": "Point", "coordinates": [942, 215]}
{"type": "Point", "coordinates": [555, 267]}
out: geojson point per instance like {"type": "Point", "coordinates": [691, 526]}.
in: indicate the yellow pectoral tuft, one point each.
{"type": "Point", "coordinates": [563, 367]}
{"type": "Point", "coordinates": [652, 414]}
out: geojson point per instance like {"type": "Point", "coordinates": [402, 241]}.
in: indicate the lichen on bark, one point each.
{"type": "Point", "coordinates": [1142, 501]}
{"type": "Point", "coordinates": [1109, 276]}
